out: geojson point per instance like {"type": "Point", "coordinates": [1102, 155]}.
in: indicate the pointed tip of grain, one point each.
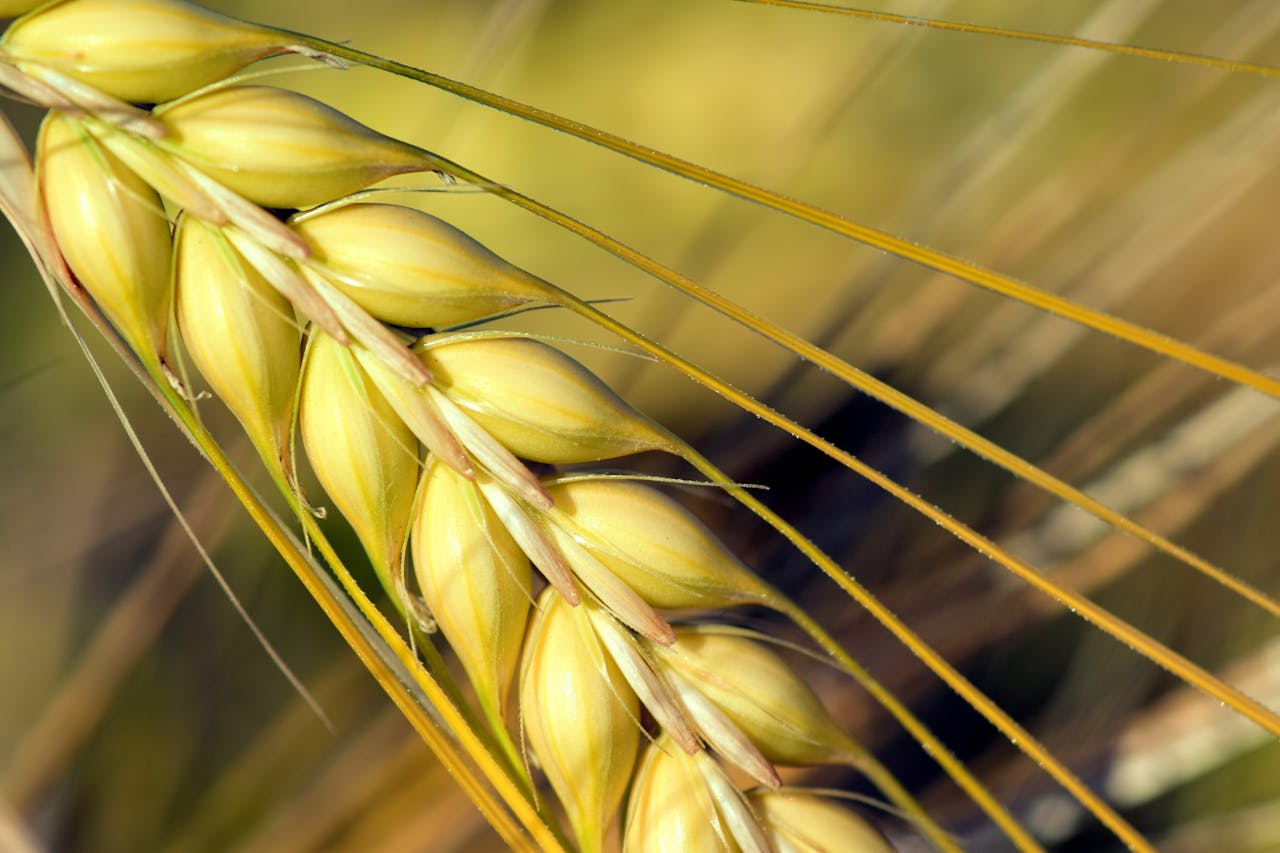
{"type": "Point", "coordinates": [569, 593]}
{"type": "Point", "coordinates": [541, 500]}
{"type": "Point", "coordinates": [638, 669]}
{"type": "Point", "coordinates": [532, 538]}
{"type": "Point", "coordinates": [664, 635]}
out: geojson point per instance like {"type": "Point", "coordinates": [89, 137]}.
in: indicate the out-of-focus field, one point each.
{"type": "Point", "coordinates": [137, 712]}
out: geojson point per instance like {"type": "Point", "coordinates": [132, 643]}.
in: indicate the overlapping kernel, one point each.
{"type": "Point", "coordinates": [407, 267]}
{"type": "Point", "coordinates": [475, 580]}
{"type": "Point", "coordinates": [686, 802]}
{"type": "Point", "coordinates": [282, 149]}
{"type": "Point", "coordinates": [653, 544]}
{"type": "Point", "coordinates": [761, 694]}
{"type": "Point", "coordinates": [112, 229]}
{"type": "Point", "coordinates": [639, 670]}
{"type": "Point", "coordinates": [241, 334]}
{"type": "Point", "coordinates": [612, 591]}
{"type": "Point", "coordinates": [669, 807]}
{"type": "Point", "coordinates": [580, 717]}
{"type": "Point", "coordinates": [364, 456]}
{"type": "Point", "coordinates": [800, 822]}
{"type": "Point", "coordinates": [137, 50]}
{"type": "Point", "coordinates": [536, 400]}
{"type": "Point", "coordinates": [719, 730]}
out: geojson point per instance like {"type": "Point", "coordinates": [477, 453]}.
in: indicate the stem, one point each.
{"type": "Point", "coordinates": [422, 700]}
{"type": "Point", "coordinates": [923, 255]}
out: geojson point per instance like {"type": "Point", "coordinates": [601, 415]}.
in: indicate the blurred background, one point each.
{"type": "Point", "coordinates": [137, 711]}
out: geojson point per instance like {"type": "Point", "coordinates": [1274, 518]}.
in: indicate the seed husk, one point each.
{"type": "Point", "coordinates": [638, 668]}
{"type": "Point", "coordinates": [362, 453]}
{"type": "Point", "coordinates": [409, 268]}
{"type": "Point", "coordinates": [475, 579]}
{"type": "Point", "coordinates": [719, 731]}
{"type": "Point", "coordinates": [580, 717]}
{"type": "Point", "coordinates": [282, 149]}
{"type": "Point", "coordinates": [682, 802]}
{"type": "Point", "coordinates": [417, 409]}
{"type": "Point", "coordinates": [241, 334]}
{"type": "Point", "coordinates": [804, 823]}
{"type": "Point", "coordinates": [653, 544]}
{"type": "Point", "coordinates": [761, 694]}
{"type": "Point", "coordinates": [138, 50]}
{"type": "Point", "coordinates": [195, 192]}
{"type": "Point", "coordinates": [537, 401]}
{"type": "Point", "coordinates": [742, 822]}
{"type": "Point", "coordinates": [532, 537]}
{"type": "Point", "coordinates": [112, 229]}
{"type": "Point", "coordinates": [669, 807]}
{"type": "Point", "coordinates": [619, 598]}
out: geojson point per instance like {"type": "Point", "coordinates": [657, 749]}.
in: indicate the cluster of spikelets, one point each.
{"type": "Point", "coordinates": [223, 208]}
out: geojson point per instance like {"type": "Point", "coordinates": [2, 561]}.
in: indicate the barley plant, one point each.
{"type": "Point", "coordinates": [930, 504]}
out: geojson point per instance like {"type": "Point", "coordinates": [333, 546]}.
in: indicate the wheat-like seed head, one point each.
{"type": "Point", "coordinates": [480, 403]}
{"type": "Point", "coordinates": [485, 406]}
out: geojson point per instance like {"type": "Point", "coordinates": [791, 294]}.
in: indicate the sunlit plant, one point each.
{"type": "Point", "coordinates": [203, 220]}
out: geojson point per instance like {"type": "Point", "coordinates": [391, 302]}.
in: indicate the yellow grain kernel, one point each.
{"type": "Point", "coordinates": [363, 454]}
{"type": "Point", "coordinates": [653, 544]}
{"type": "Point", "coordinates": [282, 149]}
{"type": "Point", "coordinates": [112, 229]}
{"type": "Point", "coordinates": [406, 267]}
{"type": "Point", "coordinates": [475, 580]}
{"type": "Point", "coordinates": [761, 694]}
{"type": "Point", "coordinates": [138, 50]}
{"type": "Point", "coordinates": [804, 823]}
{"type": "Point", "coordinates": [241, 334]}
{"type": "Point", "coordinates": [539, 402]}
{"type": "Point", "coordinates": [580, 717]}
